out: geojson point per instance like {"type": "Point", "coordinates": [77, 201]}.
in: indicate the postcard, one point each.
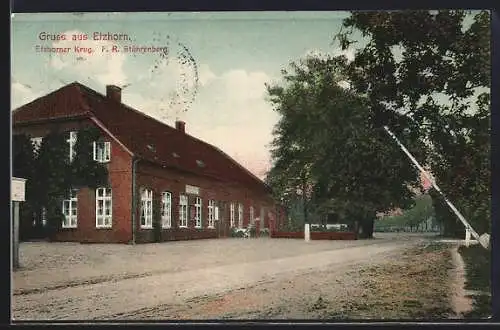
{"type": "Point", "coordinates": [251, 166]}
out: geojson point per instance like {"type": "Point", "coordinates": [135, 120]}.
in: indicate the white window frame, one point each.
{"type": "Point", "coordinates": [211, 213]}
{"type": "Point", "coordinates": [72, 142]}
{"type": "Point", "coordinates": [68, 206]}
{"type": "Point", "coordinates": [166, 209]}
{"type": "Point", "coordinates": [240, 215]}
{"type": "Point", "coordinates": [231, 215]}
{"type": "Point", "coordinates": [104, 195]}
{"type": "Point", "coordinates": [36, 142]}
{"type": "Point", "coordinates": [252, 215]}
{"type": "Point", "coordinates": [44, 216]}
{"type": "Point", "coordinates": [102, 151]}
{"type": "Point", "coordinates": [147, 209]}
{"type": "Point", "coordinates": [183, 211]}
{"type": "Point", "coordinates": [198, 207]}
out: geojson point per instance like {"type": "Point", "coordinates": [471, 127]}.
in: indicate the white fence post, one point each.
{"type": "Point", "coordinates": [467, 237]}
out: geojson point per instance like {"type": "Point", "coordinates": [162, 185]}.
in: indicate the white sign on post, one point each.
{"type": "Point", "coordinates": [18, 189]}
{"type": "Point", "coordinates": [17, 195]}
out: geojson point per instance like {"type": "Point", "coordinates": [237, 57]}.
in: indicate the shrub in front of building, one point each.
{"type": "Point", "coordinates": [237, 232]}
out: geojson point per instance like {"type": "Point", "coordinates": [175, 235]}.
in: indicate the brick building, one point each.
{"type": "Point", "coordinates": [202, 191]}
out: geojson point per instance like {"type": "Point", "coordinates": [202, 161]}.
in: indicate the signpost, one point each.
{"type": "Point", "coordinates": [17, 195]}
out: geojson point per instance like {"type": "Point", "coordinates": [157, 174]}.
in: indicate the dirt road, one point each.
{"type": "Point", "coordinates": [142, 286]}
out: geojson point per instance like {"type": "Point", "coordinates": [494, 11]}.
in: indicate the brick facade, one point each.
{"type": "Point", "coordinates": [152, 175]}
{"type": "Point", "coordinates": [160, 180]}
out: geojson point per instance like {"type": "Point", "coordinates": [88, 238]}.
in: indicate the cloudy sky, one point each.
{"type": "Point", "coordinates": [232, 55]}
{"type": "Point", "coordinates": [213, 76]}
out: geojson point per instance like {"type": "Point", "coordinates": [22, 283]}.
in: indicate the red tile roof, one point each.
{"type": "Point", "coordinates": [145, 136]}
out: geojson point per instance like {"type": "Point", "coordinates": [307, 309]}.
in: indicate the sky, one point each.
{"type": "Point", "coordinates": [213, 76]}
{"type": "Point", "coordinates": [219, 91]}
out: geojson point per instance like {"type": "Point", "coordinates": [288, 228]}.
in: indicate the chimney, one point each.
{"type": "Point", "coordinates": [114, 93]}
{"type": "Point", "coordinates": [180, 126]}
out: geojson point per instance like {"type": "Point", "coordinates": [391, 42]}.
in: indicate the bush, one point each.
{"type": "Point", "coordinates": [291, 227]}
{"type": "Point", "coordinates": [320, 228]}
{"type": "Point", "coordinates": [264, 232]}
{"type": "Point", "coordinates": [237, 232]}
{"type": "Point", "coordinates": [55, 219]}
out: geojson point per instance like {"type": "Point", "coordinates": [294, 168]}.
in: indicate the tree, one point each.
{"type": "Point", "coordinates": [325, 136]}
{"type": "Point", "coordinates": [23, 159]}
{"type": "Point", "coordinates": [85, 171]}
{"type": "Point", "coordinates": [23, 155]}
{"type": "Point", "coordinates": [432, 67]}
{"type": "Point", "coordinates": [420, 212]}
{"type": "Point", "coordinates": [51, 175]}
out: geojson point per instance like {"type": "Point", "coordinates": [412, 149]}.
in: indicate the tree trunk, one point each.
{"type": "Point", "coordinates": [367, 228]}
{"type": "Point", "coordinates": [304, 200]}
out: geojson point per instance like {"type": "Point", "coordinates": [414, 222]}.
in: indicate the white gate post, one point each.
{"type": "Point", "coordinates": [307, 232]}
{"type": "Point", "coordinates": [467, 237]}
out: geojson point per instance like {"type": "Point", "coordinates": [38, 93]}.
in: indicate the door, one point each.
{"type": "Point", "coordinates": [222, 221]}
{"type": "Point", "coordinates": [262, 217]}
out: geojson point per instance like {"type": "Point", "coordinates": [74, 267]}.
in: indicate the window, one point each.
{"type": "Point", "coordinates": [37, 143]}
{"type": "Point", "coordinates": [102, 151]}
{"type": "Point", "coordinates": [183, 211]}
{"type": "Point", "coordinates": [166, 209]}
{"type": "Point", "coordinates": [72, 141]}
{"type": "Point", "coordinates": [197, 212]}
{"type": "Point", "coordinates": [252, 215]}
{"type": "Point", "coordinates": [211, 213]}
{"type": "Point", "coordinates": [70, 210]}
{"type": "Point", "coordinates": [103, 207]}
{"type": "Point", "coordinates": [44, 216]}
{"type": "Point", "coordinates": [240, 215]}
{"type": "Point", "coordinates": [231, 215]}
{"type": "Point", "coordinates": [147, 208]}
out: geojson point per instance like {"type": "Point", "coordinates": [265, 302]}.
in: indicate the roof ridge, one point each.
{"type": "Point", "coordinates": [75, 83]}
{"type": "Point", "coordinates": [128, 107]}
{"type": "Point", "coordinates": [237, 163]}
{"type": "Point", "coordinates": [158, 122]}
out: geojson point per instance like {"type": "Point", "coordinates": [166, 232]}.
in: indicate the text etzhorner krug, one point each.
{"type": "Point", "coordinates": [96, 36]}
